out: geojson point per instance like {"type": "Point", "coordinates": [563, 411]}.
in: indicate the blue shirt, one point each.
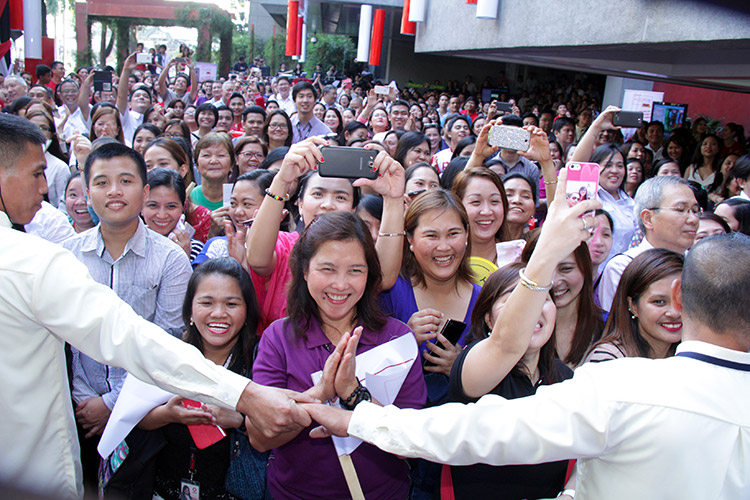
{"type": "Point", "coordinates": [311, 129]}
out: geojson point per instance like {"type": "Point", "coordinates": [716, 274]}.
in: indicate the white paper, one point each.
{"type": "Point", "coordinates": [226, 192]}
{"type": "Point", "coordinates": [136, 399]}
{"type": "Point", "coordinates": [382, 370]}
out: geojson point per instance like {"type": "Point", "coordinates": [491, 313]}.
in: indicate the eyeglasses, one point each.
{"type": "Point", "coordinates": [172, 135]}
{"type": "Point", "coordinates": [251, 154]}
{"type": "Point", "coordinates": [277, 126]}
{"type": "Point", "coordinates": [684, 211]}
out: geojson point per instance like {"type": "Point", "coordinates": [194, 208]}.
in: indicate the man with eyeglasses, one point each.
{"type": "Point", "coordinates": [668, 215]}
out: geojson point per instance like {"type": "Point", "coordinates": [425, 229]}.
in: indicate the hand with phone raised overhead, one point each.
{"type": "Point", "coordinates": [587, 142]}
{"type": "Point", "coordinates": [482, 149]}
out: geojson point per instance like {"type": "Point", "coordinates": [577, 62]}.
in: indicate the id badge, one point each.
{"type": "Point", "coordinates": [189, 490]}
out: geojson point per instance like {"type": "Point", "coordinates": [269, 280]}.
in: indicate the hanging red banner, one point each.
{"type": "Point", "coordinates": [291, 28]}
{"type": "Point", "coordinates": [407, 27]}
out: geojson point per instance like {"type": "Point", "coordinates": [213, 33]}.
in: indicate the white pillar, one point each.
{"type": "Point", "coordinates": [417, 11]}
{"type": "Point", "coordinates": [32, 29]}
{"type": "Point", "coordinates": [365, 29]}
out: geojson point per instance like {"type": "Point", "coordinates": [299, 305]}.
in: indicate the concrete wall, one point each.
{"type": "Point", "coordinates": [452, 24]}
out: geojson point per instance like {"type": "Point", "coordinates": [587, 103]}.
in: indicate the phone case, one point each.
{"type": "Point", "coordinates": [582, 184]}
{"type": "Point", "coordinates": [507, 137]}
{"type": "Point", "coordinates": [103, 81]}
{"type": "Point", "coordinates": [204, 435]}
{"type": "Point", "coordinates": [628, 119]}
{"type": "Point", "coordinates": [349, 163]}
{"type": "Point", "coordinates": [505, 107]}
{"type": "Point", "coordinates": [452, 330]}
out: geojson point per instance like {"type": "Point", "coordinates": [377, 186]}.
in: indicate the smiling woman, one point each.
{"type": "Point", "coordinates": [643, 322]}
{"type": "Point", "coordinates": [333, 291]}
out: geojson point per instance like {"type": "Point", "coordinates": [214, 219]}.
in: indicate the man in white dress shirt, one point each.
{"type": "Point", "coordinates": [675, 428]}
{"type": "Point", "coordinates": [49, 299]}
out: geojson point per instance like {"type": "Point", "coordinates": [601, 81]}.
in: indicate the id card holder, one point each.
{"type": "Point", "coordinates": [190, 490]}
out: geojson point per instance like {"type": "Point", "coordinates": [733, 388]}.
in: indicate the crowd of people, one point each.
{"type": "Point", "coordinates": [200, 205]}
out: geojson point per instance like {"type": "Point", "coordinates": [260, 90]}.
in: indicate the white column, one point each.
{"type": "Point", "coordinates": [417, 11]}
{"type": "Point", "coordinates": [365, 29]}
{"type": "Point", "coordinates": [32, 29]}
{"type": "Point", "coordinates": [487, 9]}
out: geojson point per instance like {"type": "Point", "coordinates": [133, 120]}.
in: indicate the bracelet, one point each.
{"type": "Point", "coordinates": [531, 285]}
{"type": "Point", "coordinates": [388, 235]}
{"type": "Point", "coordinates": [282, 199]}
{"type": "Point", "coordinates": [360, 394]}
{"type": "Point", "coordinates": [548, 183]}
{"type": "Point", "coordinates": [570, 493]}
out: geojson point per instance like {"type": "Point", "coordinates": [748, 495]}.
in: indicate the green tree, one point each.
{"type": "Point", "coordinates": [273, 53]}
{"type": "Point", "coordinates": [330, 49]}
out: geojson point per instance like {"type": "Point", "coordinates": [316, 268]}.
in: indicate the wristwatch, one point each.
{"type": "Point", "coordinates": [358, 395]}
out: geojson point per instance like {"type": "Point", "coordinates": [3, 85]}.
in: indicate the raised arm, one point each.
{"type": "Point", "coordinates": [540, 153]}
{"type": "Point", "coordinates": [84, 96]}
{"type": "Point", "coordinates": [122, 96]}
{"type": "Point", "coordinates": [493, 358]}
{"type": "Point", "coordinates": [163, 88]}
{"type": "Point", "coordinates": [261, 239]}
{"type": "Point", "coordinates": [586, 144]}
{"type": "Point", "coordinates": [483, 150]}
{"type": "Point", "coordinates": [193, 80]}
{"type": "Point", "coordinates": [390, 185]}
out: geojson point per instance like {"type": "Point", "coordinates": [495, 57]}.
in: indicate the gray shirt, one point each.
{"type": "Point", "coordinates": [312, 128]}
{"type": "Point", "coordinates": [151, 275]}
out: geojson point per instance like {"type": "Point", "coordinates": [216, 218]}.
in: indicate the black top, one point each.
{"type": "Point", "coordinates": [510, 482]}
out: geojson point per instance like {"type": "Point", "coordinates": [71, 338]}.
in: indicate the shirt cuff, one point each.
{"type": "Point", "coordinates": [365, 419]}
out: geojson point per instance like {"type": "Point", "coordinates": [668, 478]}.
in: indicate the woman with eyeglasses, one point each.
{"type": "Point", "coordinates": [250, 152]}
{"type": "Point", "coordinates": [277, 131]}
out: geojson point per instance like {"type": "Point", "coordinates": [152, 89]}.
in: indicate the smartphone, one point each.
{"type": "Point", "coordinates": [204, 435]}
{"type": "Point", "coordinates": [349, 163]}
{"type": "Point", "coordinates": [628, 119]}
{"type": "Point", "coordinates": [582, 184]}
{"type": "Point", "coordinates": [180, 59]}
{"type": "Point", "coordinates": [102, 81]}
{"type": "Point", "coordinates": [143, 58]}
{"type": "Point", "coordinates": [382, 89]}
{"type": "Point", "coordinates": [452, 330]}
{"type": "Point", "coordinates": [505, 107]}
{"type": "Point", "coordinates": [507, 137]}
{"type": "Point", "coordinates": [415, 193]}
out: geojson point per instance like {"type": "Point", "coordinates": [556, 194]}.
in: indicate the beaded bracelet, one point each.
{"type": "Point", "coordinates": [531, 285]}
{"type": "Point", "coordinates": [276, 197]}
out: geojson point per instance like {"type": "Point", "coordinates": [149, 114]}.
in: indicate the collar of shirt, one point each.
{"type": "Point", "coordinates": [714, 351]}
{"type": "Point", "coordinates": [606, 195]}
{"type": "Point", "coordinates": [5, 220]}
{"type": "Point", "coordinates": [93, 241]}
{"type": "Point", "coordinates": [315, 336]}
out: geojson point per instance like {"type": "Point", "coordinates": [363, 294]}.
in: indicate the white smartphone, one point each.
{"type": "Point", "coordinates": [143, 58]}
{"type": "Point", "coordinates": [507, 137]}
{"type": "Point", "coordinates": [382, 89]}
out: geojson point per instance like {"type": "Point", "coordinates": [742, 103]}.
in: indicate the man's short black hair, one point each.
{"type": "Point", "coordinates": [529, 114]}
{"type": "Point", "coordinates": [282, 77]}
{"type": "Point", "coordinates": [54, 64]}
{"type": "Point", "coordinates": [111, 151]}
{"type": "Point", "coordinates": [40, 86]}
{"type": "Point", "coordinates": [512, 120]}
{"type": "Point", "coordinates": [253, 109]}
{"type": "Point", "coordinates": [657, 123]}
{"type": "Point", "coordinates": [741, 168]}
{"type": "Point", "coordinates": [560, 122]}
{"type": "Point", "coordinates": [42, 69]}
{"type": "Point", "coordinates": [300, 86]}
{"type": "Point", "coordinates": [714, 283]}
{"type": "Point", "coordinates": [15, 134]}
{"type": "Point", "coordinates": [400, 102]}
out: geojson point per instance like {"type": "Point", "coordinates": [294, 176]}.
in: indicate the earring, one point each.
{"type": "Point", "coordinates": [411, 247]}
{"type": "Point", "coordinates": [191, 322]}
{"type": "Point", "coordinates": [632, 314]}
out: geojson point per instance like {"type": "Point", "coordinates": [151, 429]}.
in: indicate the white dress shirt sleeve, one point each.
{"type": "Point", "coordinates": [91, 317]}
{"type": "Point", "coordinates": [562, 421]}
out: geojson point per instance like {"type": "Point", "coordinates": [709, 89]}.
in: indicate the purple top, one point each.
{"type": "Point", "coordinates": [309, 468]}
{"type": "Point", "coordinates": [400, 303]}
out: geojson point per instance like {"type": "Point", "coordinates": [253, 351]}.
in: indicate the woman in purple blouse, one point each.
{"type": "Point", "coordinates": [333, 315]}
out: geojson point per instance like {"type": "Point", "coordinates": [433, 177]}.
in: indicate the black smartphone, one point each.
{"type": "Point", "coordinates": [505, 107]}
{"type": "Point", "coordinates": [349, 163]}
{"type": "Point", "coordinates": [102, 81]}
{"type": "Point", "coordinates": [628, 119]}
{"type": "Point", "coordinates": [452, 330]}
{"type": "Point", "coordinates": [180, 59]}
{"type": "Point", "coordinates": [414, 194]}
